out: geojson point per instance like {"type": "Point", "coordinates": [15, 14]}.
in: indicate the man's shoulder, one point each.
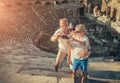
{"type": "Point", "coordinates": [58, 30]}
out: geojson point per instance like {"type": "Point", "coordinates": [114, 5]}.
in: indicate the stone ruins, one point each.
{"type": "Point", "coordinates": [27, 55]}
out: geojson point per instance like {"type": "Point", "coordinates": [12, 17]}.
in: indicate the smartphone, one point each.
{"type": "Point", "coordinates": [65, 37]}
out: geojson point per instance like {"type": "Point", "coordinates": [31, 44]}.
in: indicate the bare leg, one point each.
{"type": "Point", "coordinates": [74, 74]}
{"type": "Point", "coordinates": [71, 71]}
{"type": "Point", "coordinates": [83, 77]}
{"type": "Point", "coordinates": [79, 71]}
{"type": "Point", "coordinates": [57, 63]}
{"type": "Point", "coordinates": [59, 59]}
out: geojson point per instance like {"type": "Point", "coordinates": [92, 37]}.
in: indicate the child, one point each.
{"type": "Point", "coordinates": [81, 51]}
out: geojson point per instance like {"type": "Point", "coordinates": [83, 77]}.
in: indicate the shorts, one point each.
{"type": "Point", "coordinates": [60, 56]}
{"type": "Point", "coordinates": [83, 64]}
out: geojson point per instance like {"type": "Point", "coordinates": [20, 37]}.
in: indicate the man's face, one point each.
{"type": "Point", "coordinates": [64, 25]}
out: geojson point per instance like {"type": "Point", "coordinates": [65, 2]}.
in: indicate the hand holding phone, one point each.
{"type": "Point", "coordinates": [64, 37]}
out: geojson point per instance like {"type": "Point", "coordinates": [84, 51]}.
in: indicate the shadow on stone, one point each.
{"type": "Point", "coordinates": [77, 80]}
{"type": "Point", "coordinates": [105, 74]}
{"type": "Point", "coordinates": [95, 81]}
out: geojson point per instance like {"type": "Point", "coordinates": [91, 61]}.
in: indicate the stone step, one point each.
{"type": "Point", "coordinates": [97, 75]}
{"type": "Point", "coordinates": [47, 72]}
{"type": "Point", "coordinates": [66, 80]}
{"type": "Point", "coordinates": [24, 78]}
{"type": "Point", "coordinates": [11, 68]}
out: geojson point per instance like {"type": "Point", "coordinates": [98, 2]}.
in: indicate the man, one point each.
{"type": "Point", "coordinates": [62, 35]}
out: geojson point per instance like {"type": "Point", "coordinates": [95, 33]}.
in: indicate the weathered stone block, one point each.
{"type": "Point", "coordinates": [66, 80]}
{"type": "Point", "coordinates": [11, 68]}
{"type": "Point", "coordinates": [24, 78]}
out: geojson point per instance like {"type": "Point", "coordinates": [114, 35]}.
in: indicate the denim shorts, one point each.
{"type": "Point", "coordinates": [83, 64]}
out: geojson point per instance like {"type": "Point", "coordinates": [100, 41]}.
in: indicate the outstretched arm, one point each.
{"type": "Point", "coordinates": [55, 37]}
{"type": "Point", "coordinates": [80, 42]}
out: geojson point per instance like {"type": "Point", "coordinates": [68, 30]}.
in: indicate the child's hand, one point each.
{"type": "Point", "coordinates": [72, 39]}
{"type": "Point", "coordinates": [84, 53]}
{"type": "Point", "coordinates": [69, 61]}
{"type": "Point", "coordinates": [65, 37]}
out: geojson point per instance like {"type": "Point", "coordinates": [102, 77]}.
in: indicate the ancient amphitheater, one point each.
{"type": "Point", "coordinates": [26, 53]}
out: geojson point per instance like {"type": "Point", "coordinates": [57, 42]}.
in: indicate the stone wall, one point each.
{"type": "Point", "coordinates": [34, 25]}
{"type": "Point", "coordinates": [24, 2]}
{"type": "Point", "coordinates": [116, 5]}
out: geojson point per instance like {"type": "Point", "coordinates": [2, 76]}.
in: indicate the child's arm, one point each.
{"type": "Point", "coordinates": [88, 47]}
{"type": "Point", "coordinates": [80, 42]}
{"type": "Point", "coordinates": [89, 52]}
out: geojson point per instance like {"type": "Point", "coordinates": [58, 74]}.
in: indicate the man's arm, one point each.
{"type": "Point", "coordinates": [55, 37]}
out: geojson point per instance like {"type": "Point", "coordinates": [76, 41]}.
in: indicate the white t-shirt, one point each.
{"type": "Point", "coordinates": [77, 48]}
{"type": "Point", "coordinates": [62, 43]}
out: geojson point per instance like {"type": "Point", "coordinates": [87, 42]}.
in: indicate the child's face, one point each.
{"type": "Point", "coordinates": [81, 33]}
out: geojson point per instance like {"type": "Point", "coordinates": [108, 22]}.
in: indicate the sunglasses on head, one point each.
{"type": "Point", "coordinates": [78, 31]}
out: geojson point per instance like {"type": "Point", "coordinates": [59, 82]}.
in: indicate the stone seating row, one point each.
{"type": "Point", "coordinates": [26, 21]}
